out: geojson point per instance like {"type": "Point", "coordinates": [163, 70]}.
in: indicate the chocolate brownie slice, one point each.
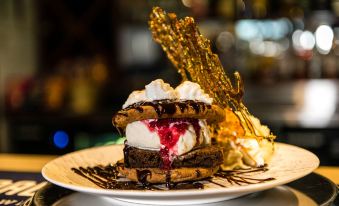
{"type": "Point", "coordinates": [207, 156]}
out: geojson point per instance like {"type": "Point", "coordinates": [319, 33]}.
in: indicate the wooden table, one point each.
{"type": "Point", "coordinates": [34, 163]}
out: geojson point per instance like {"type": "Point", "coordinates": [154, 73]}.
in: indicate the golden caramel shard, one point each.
{"type": "Point", "coordinates": [192, 56]}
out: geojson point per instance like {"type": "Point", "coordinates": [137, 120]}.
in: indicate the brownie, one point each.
{"type": "Point", "coordinates": [206, 157]}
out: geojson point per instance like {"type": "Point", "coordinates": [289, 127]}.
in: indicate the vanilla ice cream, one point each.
{"type": "Point", "coordinates": [140, 135]}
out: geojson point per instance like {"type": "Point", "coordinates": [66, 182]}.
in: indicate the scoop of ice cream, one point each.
{"type": "Point", "coordinates": [192, 91]}
{"type": "Point", "coordinates": [138, 135]}
{"type": "Point", "coordinates": [177, 135]}
{"type": "Point", "coordinates": [158, 90]}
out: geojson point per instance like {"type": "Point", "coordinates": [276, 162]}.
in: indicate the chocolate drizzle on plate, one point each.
{"type": "Point", "coordinates": [108, 177]}
{"type": "Point", "coordinates": [241, 176]}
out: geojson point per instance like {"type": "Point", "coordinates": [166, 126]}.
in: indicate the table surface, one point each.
{"type": "Point", "coordinates": [34, 163]}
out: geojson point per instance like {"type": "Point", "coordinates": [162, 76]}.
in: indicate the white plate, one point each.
{"type": "Point", "coordinates": [281, 196]}
{"type": "Point", "coordinates": [288, 164]}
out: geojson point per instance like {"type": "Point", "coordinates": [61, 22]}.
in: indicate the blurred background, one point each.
{"type": "Point", "coordinates": [67, 66]}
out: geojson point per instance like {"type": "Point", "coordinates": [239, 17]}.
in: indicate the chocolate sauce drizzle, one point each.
{"type": "Point", "coordinates": [108, 177]}
{"type": "Point", "coordinates": [142, 178]}
{"type": "Point", "coordinates": [164, 106]}
{"type": "Point", "coordinates": [240, 177]}
{"type": "Point", "coordinates": [167, 106]}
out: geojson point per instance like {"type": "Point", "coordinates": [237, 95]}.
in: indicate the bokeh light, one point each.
{"type": "Point", "coordinates": [225, 41]}
{"type": "Point", "coordinates": [324, 39]}
{"type": "Point", "coordinates": [60, 139]}
{"type": "Point", "coordinates": [319, 103]}
{"type": "Point", "coordinates": [266, 48]}
{"type": "Point", "coordinates": [249, 30]}
{"type": "Point", "coordinates": [307, 40]}
{"type": "Point", "coordinates": [296, 39]}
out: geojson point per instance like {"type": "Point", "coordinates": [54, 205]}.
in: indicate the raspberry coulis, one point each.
{"type": "Point", "coordinates": [169, 132]}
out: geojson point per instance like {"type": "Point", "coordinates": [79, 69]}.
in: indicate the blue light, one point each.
{"type": "Point", "coordinates": [60, 139]}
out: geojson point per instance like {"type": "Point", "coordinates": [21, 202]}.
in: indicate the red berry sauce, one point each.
{"type": "Point", "coordinates": [169, 132]}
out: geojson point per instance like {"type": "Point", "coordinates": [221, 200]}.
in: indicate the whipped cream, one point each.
{"type": "Point", "coordinates": [158, 90]}
{"type": "Point", "coordinates": [134, 97]}
{"type": "Point", "coordinates": [192, 91]}
{"type": "Point", "coordinates": [139, 135]}
{"type": "Point", "coordinates": [246, 152]}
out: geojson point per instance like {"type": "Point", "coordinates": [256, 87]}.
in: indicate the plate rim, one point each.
{"type": "Point", "coordinates": [39, 200]}
{"type": "Point", "coordinates": [244, 189]}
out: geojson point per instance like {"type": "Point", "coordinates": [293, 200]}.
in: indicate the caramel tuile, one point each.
{"type": "Point", "coordinates": [191, 54]}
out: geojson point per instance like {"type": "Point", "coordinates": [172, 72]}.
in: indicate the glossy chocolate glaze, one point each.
{"type": "Point", "coordinates": [107, 177]}
{"type": "Point", "coordinates": [167, 106]}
